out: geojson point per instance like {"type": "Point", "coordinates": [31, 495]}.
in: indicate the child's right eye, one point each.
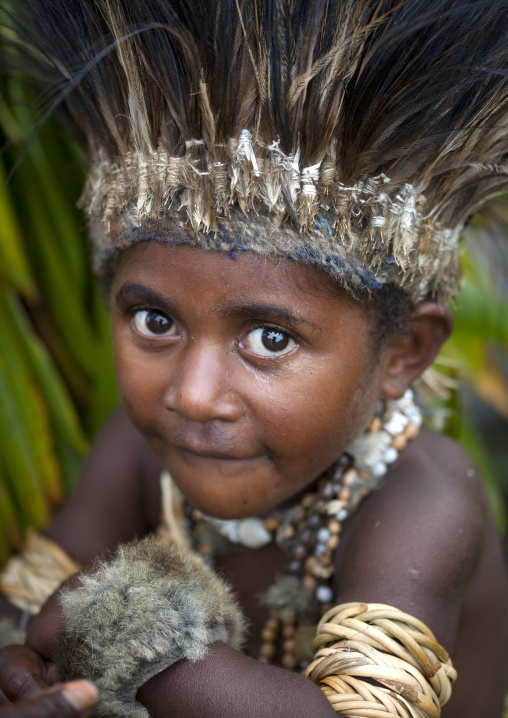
{"type": "Point", "coordinates": [151, 323]}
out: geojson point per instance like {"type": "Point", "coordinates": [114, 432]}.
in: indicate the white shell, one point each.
{"type": "Point", "coordinates": [324, 594]}
{"type": "Point", "coordinates": [323, 535]}
{"type": "Point", "coordinates": [396, 424]}
{"type": "Point", "coordinates": [252, 533]}
{"type": "Point", "coordinates": [391, 455]}
{"type": "Point", "coordinates": [379, 470]}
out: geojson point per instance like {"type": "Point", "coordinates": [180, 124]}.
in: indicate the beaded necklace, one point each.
{"type": "Point", "coordinates": [309, 532]}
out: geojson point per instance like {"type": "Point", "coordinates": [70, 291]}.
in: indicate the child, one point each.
{"type": "Point", "coordinates": [275, 199]}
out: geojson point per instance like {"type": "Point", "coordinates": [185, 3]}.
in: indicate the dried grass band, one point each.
{"type": "Point", "coordinates": [32, 576]}
{"type": "Point", "coordinates": [356, 641]}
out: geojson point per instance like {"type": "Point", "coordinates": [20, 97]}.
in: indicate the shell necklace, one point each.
{"type": "Point", "coordinates": [309, 532]}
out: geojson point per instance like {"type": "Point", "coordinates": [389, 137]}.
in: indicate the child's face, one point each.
{"type": "Point", "coordinates": [246, 377]}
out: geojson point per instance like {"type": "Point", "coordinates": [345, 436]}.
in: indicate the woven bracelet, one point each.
{"type": "Point", "coordinates": [30, 578]}
{"type": "Point", "coordinates": [413, 673]}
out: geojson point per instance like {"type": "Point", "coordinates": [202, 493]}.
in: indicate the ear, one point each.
{"type": "Point", "coordinates": [409, 354]}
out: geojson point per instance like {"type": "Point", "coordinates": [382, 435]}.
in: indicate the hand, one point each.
{"type": "Point", "coordinates": [22, 673]}
{"type": "Point", "coordinates": [43, 629]}
{"type": "Point", "coordinates": [67, 700]}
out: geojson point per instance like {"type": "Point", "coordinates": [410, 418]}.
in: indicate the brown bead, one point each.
{"type": "Point", "coordinates": [350, 477]}
{"type": "Point", "coordinates": [272, 623]}
{"type": "Point", "coordinates": [334, 526]}
{"type": "Point", "coordinates": [287, 616]}
{"type": "Point", "coordinates": [308, 500]}
{"type": "Point", "coordinates": [309, 563]}
{"type": "Point", "coordinates": [399, 442]}
{"type": "Point", "coordinates": [267, 650]}
{"type": "Point", "coordinates": [288, 646]}
{"type": "Point", "coordinates": [268, 635]}
{"type": "Point", "coordinates": [411, 431]}
{"type": "Point", "coordinates": [375, 425]}
{"type": "Point", "coordinates": [309, 583]}
{"type": "Point", "coordinates": [332, 542]}
{"type": "Point", "coordinates": [287, 532]}
{"type": "Point", "coordinates": [288, 660]}
{"type": "Point", "coordinates": [322, 571]}
{"type": "Point", "coordinates": [298, 513]}
{"type": "Point", "coordinates": [288, 631]}
{"type": "Point", "coordinates": [271, 524]}
{"type": "Point", "coordinates": [325, 559]}
{"type": "Point", "coordinates": [345, 493]}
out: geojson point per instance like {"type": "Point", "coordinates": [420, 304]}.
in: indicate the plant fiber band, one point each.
{"type": "Point", "coordinates": [29, 578]}
{"type": "Point", "coordinates": [356, 641]}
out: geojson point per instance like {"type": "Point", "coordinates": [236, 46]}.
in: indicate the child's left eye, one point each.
{"type": "Point", "coordinates": [151, 323]}
{"type": "Point", "coordinates": [268, 341]}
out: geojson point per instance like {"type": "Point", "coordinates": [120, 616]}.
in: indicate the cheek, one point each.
{"type": "Point", "coordinates": [315, 417]}
{"type": "Point", "coordinates": [138, 385]}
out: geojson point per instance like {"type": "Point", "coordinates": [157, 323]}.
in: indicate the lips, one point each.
{"type": "Point", "coordinates": [207, 452]}
{"type": "Point", "coordinates": [208, 441]}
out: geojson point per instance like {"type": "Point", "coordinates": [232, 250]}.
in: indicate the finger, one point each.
{"type": "Point", "coordinates": [51, 675]}
{"type": "Point", "coordinates": [21, 672]}
{"type": "Point", "coordinates": [82, 695]}
{"type": "Point", "coordinates": [19, 683]}
{"type": "Point", "coordinates": [69, 701]}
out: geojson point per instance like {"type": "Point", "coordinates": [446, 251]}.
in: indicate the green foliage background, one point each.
{"type": "Point", "coordinates": [56, 374]}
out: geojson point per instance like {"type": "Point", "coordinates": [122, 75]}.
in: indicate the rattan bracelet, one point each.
{"type": "Point", "coordinates": [30, 578]}
{"type": "Point", "coordinates": [413, 673]}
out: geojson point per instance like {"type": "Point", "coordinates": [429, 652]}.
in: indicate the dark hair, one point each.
{"type": "Point", "coordinates": [390, 307]}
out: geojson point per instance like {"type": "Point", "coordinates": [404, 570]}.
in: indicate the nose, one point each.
{"type": "Point", "coordinates": [200, 388]}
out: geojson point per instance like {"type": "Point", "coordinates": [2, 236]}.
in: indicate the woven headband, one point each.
{"type": "Point", "coordinates": [259, 199]}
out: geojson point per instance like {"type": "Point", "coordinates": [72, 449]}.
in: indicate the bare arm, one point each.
{"type": "Point", "coordinates": [111, 503]}
{"type": "Point", "coordinates": [227, 683]}
{"type": "Point", "coordinates": [417, 542]}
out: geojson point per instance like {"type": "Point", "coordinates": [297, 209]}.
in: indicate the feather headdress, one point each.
{"type": "Point", "coordinates": [356, 135]}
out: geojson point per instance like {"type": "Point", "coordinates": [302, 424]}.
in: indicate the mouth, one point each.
{"type": "Point", "coordinates": [209, 452]}
{"type": "Point", "coordinates": [207, 442]}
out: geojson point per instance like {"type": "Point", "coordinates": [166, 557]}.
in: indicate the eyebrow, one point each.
{"type": "Point", "coordinates": [233, 307]}
{"type": "Point", "coordinates": [130, 292]}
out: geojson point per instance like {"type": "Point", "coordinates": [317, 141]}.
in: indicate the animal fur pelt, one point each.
{"type": "Point", "coordinates": [379, 126]}
{"type": "Point", "coordinates": [152, 605]}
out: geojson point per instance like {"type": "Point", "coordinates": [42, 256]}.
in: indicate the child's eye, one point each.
{"type": "Point", "coordinates": [267, 341]}
{"type": "Point", "coordinates": [151, 323]}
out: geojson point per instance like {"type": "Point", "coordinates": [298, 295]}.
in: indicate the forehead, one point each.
{"type": "Point", "coordinates": [219, 280]}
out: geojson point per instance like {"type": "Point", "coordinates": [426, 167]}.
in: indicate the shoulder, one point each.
{"type": "Point", "coordinates": [416, 542]}
{"type": "Point", "coordinates": [436, 486]}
